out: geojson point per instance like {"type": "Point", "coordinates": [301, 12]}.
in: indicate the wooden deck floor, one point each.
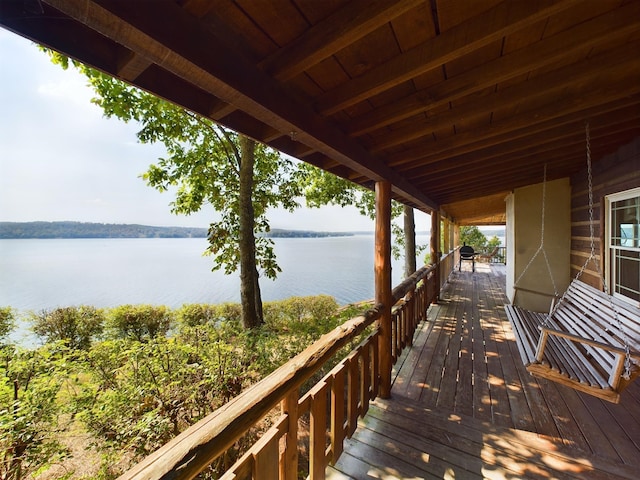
{"type": "Point", "coordinates": [463, 406]}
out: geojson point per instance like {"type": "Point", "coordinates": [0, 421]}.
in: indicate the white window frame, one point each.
{"type": "Point", "coordinates": [610, 249]}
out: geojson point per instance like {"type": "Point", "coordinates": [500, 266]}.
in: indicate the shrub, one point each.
{"type": "Point", "coordinates": [31, 380]}
{"type": "Point", "coordinates": [139, 322]}
{"type": "Point", "coordinates": [197, 314]}
{"type": "Point", "coordinates": [139, 395]}
{"type": "Point", "coordinates": [77, 326]}
{"type": "Point", "coordinates": [7, 322]}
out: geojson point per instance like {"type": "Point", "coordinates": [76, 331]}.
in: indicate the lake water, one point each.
{"type": "Point", "coordinates": [43, 274]}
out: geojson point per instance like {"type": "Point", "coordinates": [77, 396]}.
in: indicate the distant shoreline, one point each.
{"type": "Point", "coordinates": [87, 230]}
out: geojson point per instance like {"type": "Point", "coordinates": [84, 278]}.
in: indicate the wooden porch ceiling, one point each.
{"type": "Point", "coordinates": [456, 103]}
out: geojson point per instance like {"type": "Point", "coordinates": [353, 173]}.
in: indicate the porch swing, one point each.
{"type": "Point", "coordinates": [589, 340]}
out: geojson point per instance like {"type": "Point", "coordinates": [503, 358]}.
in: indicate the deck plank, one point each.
{"type": "Point", "coordinates": [464, 406]}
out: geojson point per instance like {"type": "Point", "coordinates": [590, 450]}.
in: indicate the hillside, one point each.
{"type": "Point", "coordinates": [44, 230]}
{"type": "Point", "coordinates": [50, 230]}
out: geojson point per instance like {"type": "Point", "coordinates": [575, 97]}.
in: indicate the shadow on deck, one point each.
{"type": "Point", "coordinates": [463, 406]}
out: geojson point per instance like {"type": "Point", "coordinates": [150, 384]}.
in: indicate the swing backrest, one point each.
{"type": "Point", "coordinates": [592, 314]}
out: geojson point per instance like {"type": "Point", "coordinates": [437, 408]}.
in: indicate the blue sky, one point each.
{"type": "Point", "coordinates": [60, 159]}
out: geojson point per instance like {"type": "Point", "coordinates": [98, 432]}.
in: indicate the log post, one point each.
{"type": "Point", "coordinates": [456, 235]}
{"type": "Point", "coordinates": [382, 268]}
{"type": "Point", "coordinates": [409, 241]}
{"type": "Point", "coordinates": [435, 250]}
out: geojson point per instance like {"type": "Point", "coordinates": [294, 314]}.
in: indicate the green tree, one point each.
{"type": "Point", "coordinates": [472, 236]}
{"type": "Point", "coordinates": [77, 326]}
{"type": "Point", "coordinates": [323, 188]}
{"type": "Point", "coordinates": [493, 243]}
{"type": "Point", "coordinates": [209, 164]}
{"type": "Point", "coordinates": [7, 322]}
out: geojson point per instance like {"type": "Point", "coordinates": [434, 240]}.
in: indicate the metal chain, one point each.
{"type": "Point", "coordinates": [627, 361]}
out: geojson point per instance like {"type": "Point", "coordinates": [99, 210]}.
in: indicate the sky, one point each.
{"type": "Point", "coordinates": [60, 159]}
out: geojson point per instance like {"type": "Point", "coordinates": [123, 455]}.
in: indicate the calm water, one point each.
{"type": "Point", "coordinates": [39, 274]}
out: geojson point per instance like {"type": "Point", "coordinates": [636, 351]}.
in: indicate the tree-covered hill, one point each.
{"type": "Point", "coordinates": [49, 230]}
{"type": "Point", "coordinates": [17, 230]}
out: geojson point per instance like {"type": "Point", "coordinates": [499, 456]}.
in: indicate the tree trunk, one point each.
{"type": "Point", "coordinates": [250, 297]}
{"type": "Point", "coordinates": [409, 242]}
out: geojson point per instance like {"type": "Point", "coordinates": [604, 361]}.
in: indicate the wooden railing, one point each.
{"type": "Point", "coordinates": [333, 405]}
{"type": "Point", "coordinates": [447, 264]}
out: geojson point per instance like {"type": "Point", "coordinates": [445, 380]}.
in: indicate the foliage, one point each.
{"type": "Point", "coordinates": [194, 314]}
{"type": "Point", "coordinates": [139, 322]}
{"type": "Point", "coordinates": [142, 394]}
{"type": "Point", "coordinates": [473, 237]}
{"type": "Point", "coordinates": [7, 322]}
{"type": "Point", "coordinates": [202, 166]}
{"type": "Point", "coordinates": [30, 381]}
{"type": "Point", "coordinates": [94, 230]}
{"type": "Point", "coordinates": [77, 326]}
{"type": "Point", "coordinates": [135, 390]}
{"type": "Point", "coordinates": [323, 188]}
{"type": "Point", "coordinates": [493, 243]}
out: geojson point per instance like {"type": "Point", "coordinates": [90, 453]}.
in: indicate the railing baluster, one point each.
{"type": "Point", "coordinates": [337, 414]}
{"type": "Point", "coordinates": [375, 374]}
{"type": "Point", "coordinates": [266, 461]}
{"type": "Point", "coordinates": [365, 380]}
{"type": "Point", "coordinates": [318, 432]}
{"type": "Point", "coordinates": [289, 458]}
{"type": "Point", "coordinates": [354, 385]}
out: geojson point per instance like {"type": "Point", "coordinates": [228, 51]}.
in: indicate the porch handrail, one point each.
{"type": "Point", "coordinates": [199, 445]}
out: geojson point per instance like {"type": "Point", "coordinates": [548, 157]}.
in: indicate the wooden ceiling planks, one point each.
{"type": "Point", "coordinates": [408, 90]}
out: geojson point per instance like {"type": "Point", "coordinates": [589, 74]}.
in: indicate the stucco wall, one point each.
{"type": "Point", "coordinates": [524, 235]}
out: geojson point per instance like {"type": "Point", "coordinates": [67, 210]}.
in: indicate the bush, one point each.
{"type": "Point", "coordinates": [77, 326]}
{"type": "Point", "coordinates": [139, 395]}
{"type": "Point", "coordinates": [139, 388]}
{"type": "Point", "coordinates": [7, 322]}
{"type": "Point", "coordinates": [473, 237]}
{"type": "Point", "coordinates": [197, 314]}
{"type": "Point", "coordinates": [139, 322]}
{"type": "Point", "coordinates": [29, 409]}
{"type": "Point", "coordinates": [304, 314]}
{"type": "Point", "coordinates": [192, 315]}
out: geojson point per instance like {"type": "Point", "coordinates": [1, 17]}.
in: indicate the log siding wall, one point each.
{"type": "Point", "coordinates": [616, 172]}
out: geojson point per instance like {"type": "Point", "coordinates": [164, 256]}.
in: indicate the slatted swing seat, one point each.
{"type": "Point", "coordinates": [589, 341]}
{"type": "Point", "coordinates": [582, 343]}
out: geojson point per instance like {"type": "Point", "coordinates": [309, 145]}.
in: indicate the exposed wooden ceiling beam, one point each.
{"type": "Point", "coordinates": [489, 26]}
{"type": "Point", "coordinates": [545, 89]}
{"type": "Point", "coordinates": [573, 109]}
{"type": "Point", "coordinates": [556, 153]}
{"type": "Point", "coordinates": [221, 70]}
{"type": "Point", "coordinates": [340, 29]}
{"type": "Point", "coordinates": [580, 38]}
{"type": "Point", "coordinates": [512, 174]}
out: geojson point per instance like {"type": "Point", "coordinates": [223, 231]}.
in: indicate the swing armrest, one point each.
{"type": "Point", "coordinates": [587, 341]}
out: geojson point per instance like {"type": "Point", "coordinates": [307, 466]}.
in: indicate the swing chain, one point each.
{"type": "Point", "coordinates": [627, 361]}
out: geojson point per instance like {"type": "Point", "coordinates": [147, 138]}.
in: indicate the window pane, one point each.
{"type": "Point", "coordinates": [625, 223]}
{"type": "Point", "coordinates": [624, 232]}
{"type": "Point", "coordinates": [627, 267]}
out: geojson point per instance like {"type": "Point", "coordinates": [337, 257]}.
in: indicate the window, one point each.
{"type": "Point", "coordinates": [624, 244]}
